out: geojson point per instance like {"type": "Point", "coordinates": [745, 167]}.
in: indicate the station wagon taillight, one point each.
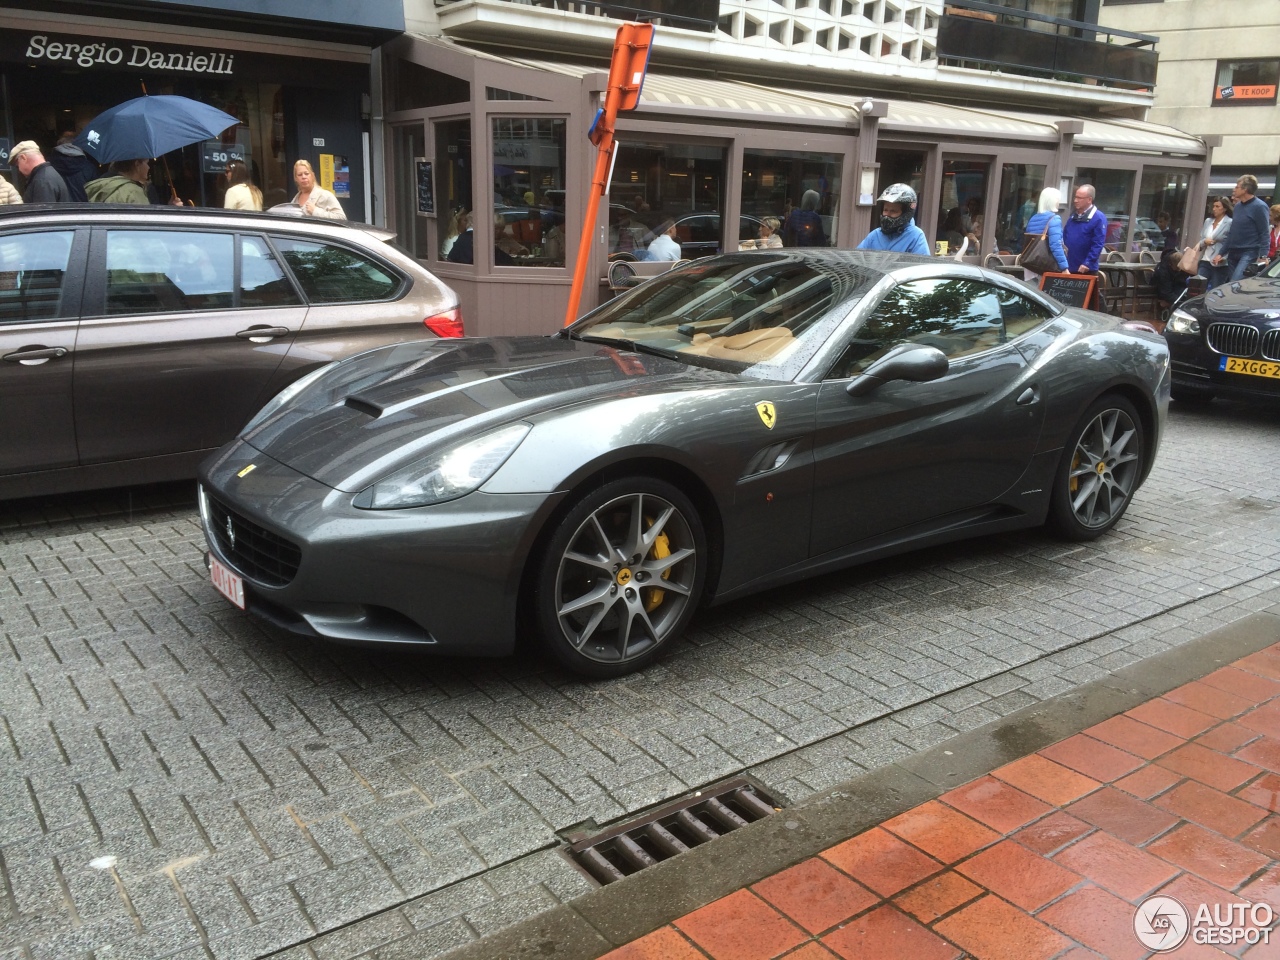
{"type": "Point", "coordinates": [447, 324]}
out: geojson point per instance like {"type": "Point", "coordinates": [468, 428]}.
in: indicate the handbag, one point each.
{"type": "Point", "coordinates": [1189, 262]}
{"type": "Point", "coordinates": [1036, 255]}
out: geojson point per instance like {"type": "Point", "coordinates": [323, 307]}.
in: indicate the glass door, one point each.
{"type": "Point", "coordinates": [409, 146]}
{"type": "Point", "coordinates": [960, 207]}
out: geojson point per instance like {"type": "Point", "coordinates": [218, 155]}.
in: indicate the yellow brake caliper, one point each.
{"type": "Point", "coordinates": [661, 549]}
{"type": "Point", "coordinates": [1075, 481]}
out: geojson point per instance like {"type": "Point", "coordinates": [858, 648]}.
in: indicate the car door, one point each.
{"type": "Point", "coordinates": [41, 273]}
{"type": "Point", "coordinates": [908, 453]}
{"type": "Point", "coordinates": [179, 352]}
{"type": "Point", "coordinates": [356, 302]}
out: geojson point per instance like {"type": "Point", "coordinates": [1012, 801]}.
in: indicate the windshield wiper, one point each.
{"type": "Point", "coordinates": [635, 346]}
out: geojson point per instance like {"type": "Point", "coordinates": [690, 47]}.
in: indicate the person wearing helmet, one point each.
{"type": "Point", "coordinates": [897, 232]}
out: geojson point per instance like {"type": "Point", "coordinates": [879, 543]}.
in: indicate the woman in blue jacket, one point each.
{"type": "Point", "coordinates": [1048, 215]}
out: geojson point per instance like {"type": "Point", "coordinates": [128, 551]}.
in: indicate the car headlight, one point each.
{"type": "Point", "coordinates": [1180, 322]}
{"type": "Point", "coordinates": [284, 396]}
{"type": "Point", "coordinates": [446, 475]}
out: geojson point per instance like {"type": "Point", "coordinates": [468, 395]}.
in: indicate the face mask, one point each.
{"type": "Point", "coordinates": [895, 225]}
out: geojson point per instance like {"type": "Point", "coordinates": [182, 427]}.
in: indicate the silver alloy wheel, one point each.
{"type": "Point", "coordinates": [625, 578]}
{"type": "Point", "coordinates": [1104, 470]}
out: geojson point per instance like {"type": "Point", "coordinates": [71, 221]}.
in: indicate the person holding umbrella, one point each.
{"type": "Point", "coordinates": [314, 199]}
{"type": "Point", "coordinates": [126, 182]}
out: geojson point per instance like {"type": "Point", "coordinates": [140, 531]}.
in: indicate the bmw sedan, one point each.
{"type": "Point", "coordinates": [737, 423]}
{"type": "Point", "coordinates": [1227, 342]}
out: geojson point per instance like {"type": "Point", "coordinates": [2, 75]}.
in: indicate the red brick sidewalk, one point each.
{"type": "Point", "coordinates": [1046, 857]}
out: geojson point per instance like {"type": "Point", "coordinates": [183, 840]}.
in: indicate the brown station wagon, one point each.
{"type": "Point", "coordinates": [135, 340]}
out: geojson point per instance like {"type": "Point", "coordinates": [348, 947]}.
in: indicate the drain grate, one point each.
{"type": "Point", "coordinates": [670, 830]}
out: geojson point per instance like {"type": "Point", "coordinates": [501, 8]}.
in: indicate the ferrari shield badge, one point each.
{"type": "Point", "coordinates": [768, 416]}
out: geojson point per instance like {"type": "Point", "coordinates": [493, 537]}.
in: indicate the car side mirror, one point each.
{"type": "Point", "coordinates": [1196, 286]}
{"type": "Point", "coordinates": [909, 361]}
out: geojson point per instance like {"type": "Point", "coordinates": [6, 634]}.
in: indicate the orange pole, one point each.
{"type": "Point", "coordinates": [625, 72]}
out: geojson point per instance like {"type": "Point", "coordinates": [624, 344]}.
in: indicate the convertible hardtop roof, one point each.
{"type": "Point", "coordinates": [79, 211]}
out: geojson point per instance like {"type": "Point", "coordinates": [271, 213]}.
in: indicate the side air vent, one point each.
{"type": "Point", "coordinates": [670, 830]}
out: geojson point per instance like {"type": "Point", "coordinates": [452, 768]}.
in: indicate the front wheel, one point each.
{"type": "Point", "coordinates": [1100, 470]}
{"type": "Point", "coordinates": [621, 576]}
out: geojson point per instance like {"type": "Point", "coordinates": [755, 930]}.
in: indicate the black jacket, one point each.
{"type": "Point", "coordinates": [45, 185]}
{"type": "Point", "coordinates": [76, 169]}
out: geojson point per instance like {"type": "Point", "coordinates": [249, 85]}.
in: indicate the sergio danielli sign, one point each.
{"type": "Point", "coordinates": [89, 53]}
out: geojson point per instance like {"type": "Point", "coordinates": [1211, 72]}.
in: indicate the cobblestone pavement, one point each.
{"type": "Point", "coordinates": [177, 779]}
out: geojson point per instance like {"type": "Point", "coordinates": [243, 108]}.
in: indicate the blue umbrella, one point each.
{"type": "Point", "coordinates": [151, 127]}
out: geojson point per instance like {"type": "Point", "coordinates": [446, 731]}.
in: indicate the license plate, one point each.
{"type": "Point", "coordinates": [226, 583]}
{"type": "Point", "coordinates": [1253, 368]}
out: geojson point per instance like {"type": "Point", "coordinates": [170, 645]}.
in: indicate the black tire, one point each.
{"type": "Point", "coordinates": [1100, 470]}
{"type": "Point", "coordinates": [1185, 394]}
{"type": "Point", "coordinates": [602, 602]}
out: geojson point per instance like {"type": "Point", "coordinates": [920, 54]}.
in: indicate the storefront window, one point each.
{"type": "Point", "coordinates": [528, 191]}
{"type": "Point", "coordinates": [795, 196]}
{"type": "Point", "coordinates": [899, 166]}
{"type": "Point", "coordinates": [660, 186]}
{"type": "Point", "coordinates": [1113, 193]}
{"type": "Point", "coordinates": [1162, 195]}
{"type": "Point", "coordinates": [964, 197]}
{"type": "Point", "coordinates": [1246, 82]}
{"type": "Point", "coordinates": [1020, 186]}
{"type": "Point", "coordinates": [452, 174]}
{"type": "Point", "coordinates": [411, 227]}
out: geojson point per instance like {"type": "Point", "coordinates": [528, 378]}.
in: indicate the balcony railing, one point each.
{"type": "Point", "coordinates": [688, 14]}
{"type": "Point", "coordinates": [1019, 41]}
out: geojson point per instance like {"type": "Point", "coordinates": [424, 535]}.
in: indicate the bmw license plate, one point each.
{"type": "Point", "coordinates": [226, 583]}
{"type": "Point", "coordinates": [1253, 368]}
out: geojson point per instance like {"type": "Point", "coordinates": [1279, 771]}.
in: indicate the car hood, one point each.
{"type": "Point", "coordinates": [376, 411]}
{"type": "Point", "coordinates": [1252, 299]}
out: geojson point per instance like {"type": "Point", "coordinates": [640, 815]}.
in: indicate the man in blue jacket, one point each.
{"type": "Point", "coordinates": [1084, 232]}
{"type": "Point", "coordinates": [896, 231]}
{"type": "Point", "coordinates": [1250, 228]}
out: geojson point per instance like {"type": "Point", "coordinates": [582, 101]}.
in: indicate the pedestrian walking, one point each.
{"type": "Point", "coordinates": [126, 182]}
{"type": "Point", "coordinates": [1046, 222]}
{"type": "Point", "coordinates": [1085, 231]}
{"type": "Point", "coordinates": [76, 167]}
{"type": "Point", "coordinates": [44, 183]}
{"type": "Point", "coordinates": [314, 199]}
{"type": "Point", "coordinates": [1213, 242]}
{"type": "Point", "coordinates": [1250, 229]}
{"type": "Point", "coordinates": [8, 193]}
{"type": "Point", "coordinates": [241, 194]}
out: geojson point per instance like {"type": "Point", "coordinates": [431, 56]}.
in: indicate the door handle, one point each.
{"type": "Point", "coordinates": [263, 334]}
{"type": "Point", "coordinates": [1028, 396]}
{"type": "Point", "coordinates": [31, 356]}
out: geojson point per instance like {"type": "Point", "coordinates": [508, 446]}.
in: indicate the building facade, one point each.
{"type": "Point", "coordinates": [1218, 75]}
{"type": "Point", "coordinates": [302, 85]}
{"type": "Point", "coordinates": [752, 109]}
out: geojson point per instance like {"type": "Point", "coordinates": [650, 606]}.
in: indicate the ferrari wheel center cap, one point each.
{"type": "Point", "coordinates": [624, 576]}
{"type": "Point", "coordinates": [1102, 468]}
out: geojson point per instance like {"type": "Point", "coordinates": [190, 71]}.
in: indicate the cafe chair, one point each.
{"type": "Point", "coordinates": [1115, 256]}
{"type": "Point", "coordinates": [623, 256]}
{"type": "Point", "coordinates": [993, 261]}
{"type": "Point", "coordinates": [1148, 256]}
{"type": "Point", "coordinates": [622, 276]}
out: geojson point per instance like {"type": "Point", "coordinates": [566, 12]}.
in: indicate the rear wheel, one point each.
{"type": "Point", "coordinates": [1100, 470]}
{"type": "Point", "coordinates": [621, 576]}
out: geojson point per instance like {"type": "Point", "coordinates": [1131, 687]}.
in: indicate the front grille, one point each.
{"type": "Point", "coordinates": [253, 550]}
{"type": "Point", "coordinates": [670, 830]}
{"type": "Point", "coordinates": [1233, 339]}
{"type": "Point", "coordinates": [1271, 344]}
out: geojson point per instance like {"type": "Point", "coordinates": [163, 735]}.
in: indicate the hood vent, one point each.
{"type": "Point", "coordinates": [672, 829]}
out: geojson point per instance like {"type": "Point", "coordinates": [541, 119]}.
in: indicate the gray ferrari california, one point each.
{"type": "Point", "coordinates": [737, 423]}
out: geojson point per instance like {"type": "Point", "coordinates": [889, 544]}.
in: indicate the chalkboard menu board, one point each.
{"type": "Point", "coordinates": [426, 189]}
{"type": "Point", "coordinates": [1073, 289]}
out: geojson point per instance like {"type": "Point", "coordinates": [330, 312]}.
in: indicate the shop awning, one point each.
{"type": "Point", "coordinates": [1138, 135]}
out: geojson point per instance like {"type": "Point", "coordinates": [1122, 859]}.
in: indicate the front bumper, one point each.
{"type": "Point", "coordinates": [446, 577]}
{"type": "Point", "coordinates": [1193, 364]}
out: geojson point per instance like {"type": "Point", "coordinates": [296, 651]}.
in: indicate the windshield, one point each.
{"type": "Point", "coordinates": [763, 315]}
{"type": "Point", "coordinates": [1272, 269]}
